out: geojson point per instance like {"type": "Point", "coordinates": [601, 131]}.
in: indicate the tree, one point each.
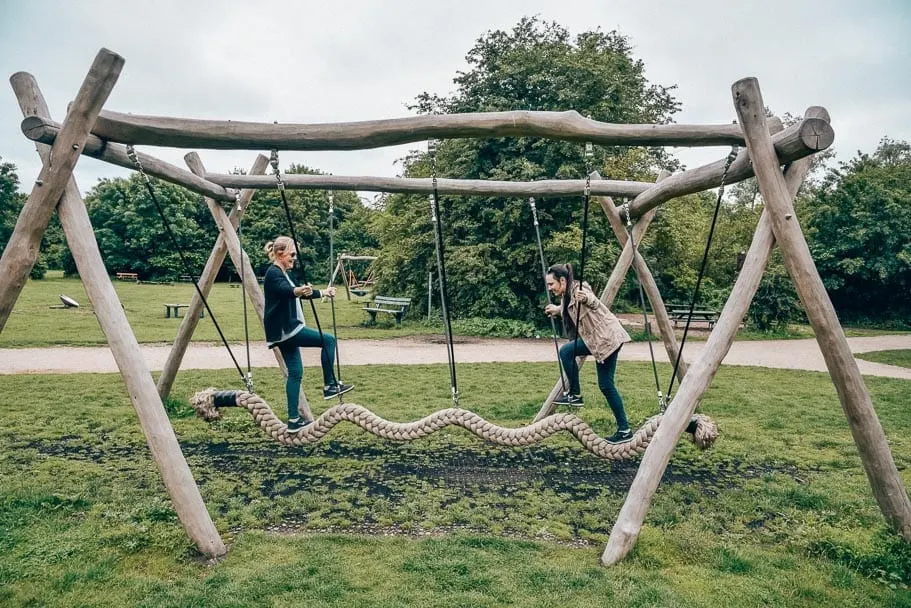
{"type": "Point", "coordinates": [859, 230]}
{"type": "Point", "coordinates": [266, 219]}
{"type": "Point", "coordinates": [492, 261]}
{"type": "Point", "coordinates": [132, 236]}
{"type": "Point", "coordinates": [11, 203]}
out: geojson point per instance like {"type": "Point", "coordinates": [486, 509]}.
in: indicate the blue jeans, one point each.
{"type": "Point", "coordinates": [606, 369]}
{"type": "Point", "coordinates": [290, 350]}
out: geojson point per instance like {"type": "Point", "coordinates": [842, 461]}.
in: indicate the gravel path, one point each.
{"type": "Point", "coordinates": [785, 354]}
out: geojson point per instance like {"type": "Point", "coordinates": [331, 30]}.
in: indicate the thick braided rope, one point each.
{"type": "Point", "coordinates": [204, 403]}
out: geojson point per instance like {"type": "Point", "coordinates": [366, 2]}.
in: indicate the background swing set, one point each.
{"type": "Point", "coordinates": [108, 136]}
{"type": "Point", "coordinates": [344, 268]}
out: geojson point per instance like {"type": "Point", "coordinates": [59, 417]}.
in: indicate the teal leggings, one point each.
{"type": "Point", "coordinates": [290, 350]}
{"type": "Point", "coordinates": [606, 369]}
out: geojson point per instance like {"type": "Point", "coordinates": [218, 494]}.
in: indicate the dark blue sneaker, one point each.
{"type": "Point", "coordinates": [570, 400]}
{"type": "Point", "coordinates": [336, 389]}
{"type": "Point", "coordinates": [296, 425]}
{"type": "Point", "coordinates": [621, 437]}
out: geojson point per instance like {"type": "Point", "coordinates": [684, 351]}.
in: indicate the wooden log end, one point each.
{"type": "Point", "coordinates": [816, 133]}
{"type": "Point", "coordinates": [33, 127]}
{"type": "Point", "coordinates": [818, 112]}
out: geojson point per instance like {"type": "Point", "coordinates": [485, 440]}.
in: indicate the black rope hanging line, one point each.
{"type": "Point", "coordinates": [589, 153]}
{"type": "Point", "coordinates": [553, 323]}
{"type": "Point", "coordinates": [338, 359]}
{"type": "Point", "coordinates": [662, 401]}
{"type": "Point", "coordinates": [664, 398]}
{"type": "Point", "coordinates": [243, 287]}
{"type": "Point", "coordinates": [437, 222]}
{"type": "Point", "coordinates": [705, 259]}
{"type": "Point", "coordinates": [131, 152]}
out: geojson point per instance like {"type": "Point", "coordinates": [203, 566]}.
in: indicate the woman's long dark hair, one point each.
{"type": "Point", "coordinates": [565, 271]}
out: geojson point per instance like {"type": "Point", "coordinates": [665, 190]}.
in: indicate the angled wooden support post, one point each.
{"type": "Point", "coordinates": [228, 233]}
{"type": "Point", "coordinates": [852, 392]}
{"type": "Point", "coordinates": [607, 296]}
{"type": "Point", "coordinates": [153, 419]}
{"type": "Point", "coordinates": [22, 249]}
{"type": "Point", "coordinates": [699, 377]}
{"type": "Point", "coordinates": [206, 280]}
{"type": "Point", "coordinates": [649, 286]}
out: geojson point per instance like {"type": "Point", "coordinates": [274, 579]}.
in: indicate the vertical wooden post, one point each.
{"type": "Point", "coordinates": [654, 462]}
{"type": "Point", "coordinates": [206, 280]}
{"type": "Point", "coordinates": [153, 420]}
{"type": "Point", "coordinates": [649, 286]}
{"type": "Point", "coordinates": [228, 235]}
{"type": "Point", "coordinates": [22, 249]}
{"type": "Point", "coordinates": [607, 296]}
{"type": "Point", "coordinates": [852, 392]}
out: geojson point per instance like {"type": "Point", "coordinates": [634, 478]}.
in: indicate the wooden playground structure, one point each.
{"type": "Point", "coordinates": [343, 268]}
{"type": "Point", "coordinates": [109, 136]}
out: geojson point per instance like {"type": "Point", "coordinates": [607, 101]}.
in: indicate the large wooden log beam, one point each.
{"type": "Point", "coordinates": [569, 126]}
{"type": "Point", "coordinates": [466, 187]}
{"type": "Point", "coordinates": [698, 379]}
{"type": "Point", "coordinates": [852, 392]}
{"type": "Point", "coordinates": [807, 137]}
{"type": "Point", "coordinates": [46, 131]}
{"type": "Point", "coordinates": [21, 250]}
{"type": "Point", "coordinates": [153, 419]}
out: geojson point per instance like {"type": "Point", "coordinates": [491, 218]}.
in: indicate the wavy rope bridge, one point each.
{"type": "Point", "coordinates": [207, 403]}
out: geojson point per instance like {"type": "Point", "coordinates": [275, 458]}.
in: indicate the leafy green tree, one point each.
{"type": "Point", "coordinates": [266, 219]}
{"type": "Point", "coordinates": [859, 230]}
{"type": "Point", "coordinates": [11, 203]}
{"type": "Point", "coordinates": [492, 262]}
{"type": "Point", "coordinates": [131, 234]}
{"type": "Point", "coordinates": [133, 238]}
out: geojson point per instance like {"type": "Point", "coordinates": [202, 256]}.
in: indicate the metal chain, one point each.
{"type": "Point", "coordinates": [553, 323]}
{"type": "Point", "coordinates": [705, 259]}
{"type": "Point", "coordinates": [441, 270]}
{"type": "Point", "coordinates": [662, 400]}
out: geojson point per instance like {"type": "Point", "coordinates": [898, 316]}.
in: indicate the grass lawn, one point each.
{"type": "Point", "coordinates": [779, 513]}
{"type": "Point", "coordinates": [900, 357]}
{"type": "Point", "coordinates": [34, 323]}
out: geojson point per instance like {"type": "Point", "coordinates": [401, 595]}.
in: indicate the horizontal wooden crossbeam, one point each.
{"type": "Point", "coordinates": [568, 126]}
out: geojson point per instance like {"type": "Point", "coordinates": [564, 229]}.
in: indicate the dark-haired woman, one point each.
{"type": "Point", "coordinates": [285, 327]}
{"type": "Point", "coordinates": [598, 333]}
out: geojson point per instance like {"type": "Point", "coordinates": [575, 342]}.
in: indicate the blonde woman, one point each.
{"type": "Point", "coordinates": [286, 328]}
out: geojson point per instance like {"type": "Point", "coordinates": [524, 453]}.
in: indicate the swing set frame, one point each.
{"type": "Point", "coordinates": [89, 130]}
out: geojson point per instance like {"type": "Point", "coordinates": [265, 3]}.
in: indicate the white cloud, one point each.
{"type": "Point", "coordinates": [360, 60]}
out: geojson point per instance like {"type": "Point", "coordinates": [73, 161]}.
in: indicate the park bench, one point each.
{"type": "Point", "coordinates": [185, 278]}
{"type": "Point", "coordinates": [127, 276]}
{"type": "Point", "coordinates": [396, 307]}
{"type": "Point", "coordinates": [680, 314]}
{"type": "Point", "coordinates": [176, 308]}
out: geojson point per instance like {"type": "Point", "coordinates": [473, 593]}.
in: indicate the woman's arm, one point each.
{"type": "Point", "coordinates": [276, 284]}
{"type": "Point", "coordinates": [591, 300]}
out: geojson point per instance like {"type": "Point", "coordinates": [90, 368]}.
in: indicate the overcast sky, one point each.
{"type": "Point", "coordinates": [361, 60]}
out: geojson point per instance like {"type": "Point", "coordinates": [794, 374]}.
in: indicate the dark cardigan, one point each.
{"type": "Point", "coordinates": [280, 314]}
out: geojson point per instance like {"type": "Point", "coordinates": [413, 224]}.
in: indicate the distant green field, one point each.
{"type": "Point", "coordinates": [900, 357]}
{"type": "Point", "coordinates": [34, 322]}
